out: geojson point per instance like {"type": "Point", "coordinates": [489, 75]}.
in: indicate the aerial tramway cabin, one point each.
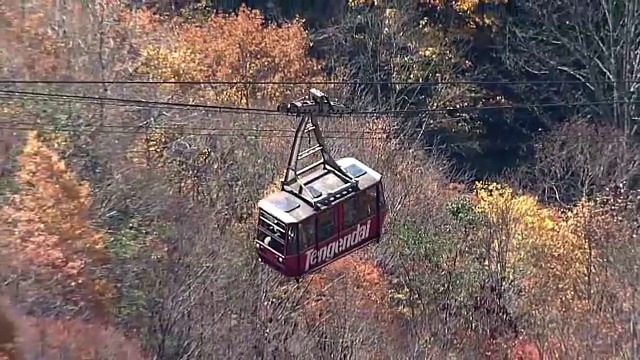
{"type": "Point", "coordinates": [323, 212]}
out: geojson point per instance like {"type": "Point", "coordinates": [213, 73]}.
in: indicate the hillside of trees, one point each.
{"type": "Point", "coordinates": [507, 133]}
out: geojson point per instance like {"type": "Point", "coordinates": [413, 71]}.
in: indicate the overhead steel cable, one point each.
{"type": "Point", "coordinates": [141, 103]}
{"type": "Point", "coordinates": [234, 109]}
{"type": "Point", "coordinates": [92, 101]}
{"type": "Point", "coordinates": [403, 83]}
{"type": "Point", "coordinates": [139, 128]}
{"type": "Point", "coordinates": [211, 132]}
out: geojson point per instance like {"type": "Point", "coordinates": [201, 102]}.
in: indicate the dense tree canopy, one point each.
{"type": "Point", "coordinates": [507, 134]}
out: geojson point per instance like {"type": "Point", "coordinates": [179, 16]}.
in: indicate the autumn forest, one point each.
{"type": "Point", "coordinates": [506, 131]}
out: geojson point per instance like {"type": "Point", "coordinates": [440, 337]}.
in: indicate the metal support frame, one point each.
{"type": "Point", "coordinates": [317, 104]}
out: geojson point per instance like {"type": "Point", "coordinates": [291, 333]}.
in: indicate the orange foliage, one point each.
{"type": "Point", "coordinates": [231, 48]}
{"type": "Point", "coordinates": [362, 286]}
{"type": "Point", "coordinates": [52, 235]}
{"type": "Point", "coordinates": [365, 278]}
{"type": "Point", "coordinates": [82, 340]}
{"type": "Point", "coordinates": [24, 338]}
{"type": "Point", "coordinates": [27, 31]}
{"type": "Point", "coordinates": [526, 350]}
{"type": "Point", "coordinates": [11, 346]}
{"type": "Point", "coordinates": [56, 39]}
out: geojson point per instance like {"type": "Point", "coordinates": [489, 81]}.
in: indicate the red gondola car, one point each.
{"type": "Point", "coordinates": [323, 212]}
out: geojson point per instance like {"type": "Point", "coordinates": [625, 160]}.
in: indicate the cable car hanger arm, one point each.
{"type": "Point", "coordinates": [317, 103]}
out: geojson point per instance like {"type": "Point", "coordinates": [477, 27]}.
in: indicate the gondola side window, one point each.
{"type": "Point", "coordinates": [292, 241]}
{"type": "Point", "coordinates": [350, 210]}
{"type": "Point", "coordinates": [272, 242]}
{"type": "Point", "coordinates": [272, 232]}
{"type": "Point", "coordinates": [326, 225]}
{"type": "Point", "coordinates": [308, 234]}
{"type": "Point", "coordinates": [367, 202]}
{"type": "Point", "coordinates": [383, 200]}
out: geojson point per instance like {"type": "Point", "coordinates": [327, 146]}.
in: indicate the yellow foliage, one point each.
{"type": "Point", "coordinates": [463, 6]}
{"type": "Point", "coordinates": [51, 231]}
{"type": "Point", "coordinates": [356, 3]}
{"type": "Point", "coordinates": [469, 8]}
{"type": "Point", "coordinates": [435, 53]}
{"type": "Point", "coordinates": [150, 148]}
{"type": "Point", "coordinates": [546, 251]}
{"type": "Point", "coordinates": [233, 48]}
{"type": "Point", "coordinates": [9, 109]}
